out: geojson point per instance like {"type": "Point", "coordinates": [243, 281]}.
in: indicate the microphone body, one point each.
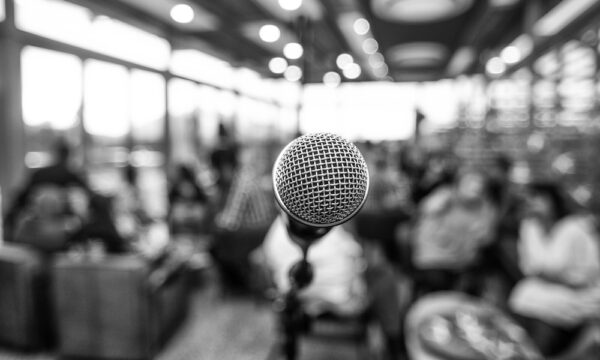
{"type": "Point", "coordinates": [320, 180]}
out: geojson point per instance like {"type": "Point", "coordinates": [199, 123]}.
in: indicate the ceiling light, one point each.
{"type": "Point", "coordinates": [352, 71]}
{"type": "Point", "coordinates": [511, 55]}
{"type": "Point", "coordinates": [269, 33]}
{"type": "Point", "coordinates": [293, 51]}
{"type": "Point", "coordinates": [418, 11]}
{"type": "Point", "coordinates": [560, 16]}
{"type": "Point", "coordinates": [343, 60]}
{"type": "Point", "coordinates": [277, 65]}
{"type": "Point", "coordinates": [182, 13]}
{"type": "Point", "coordinates": [332, 79]}
{"type": "Point", "coordinates": [361, 26]}
{"type": "Point", "coordinates": [376, 60]}
{"type": "Point", "coordinates": [495, 66]}
{"type": "Point", "coordinates": [381, 71]}
{"type": "Point", "coordinates": [293, 73]}
{"type": "Point", "coordinates": [290, 5]}
{"type": "Point", "coordinates": [370, 46]}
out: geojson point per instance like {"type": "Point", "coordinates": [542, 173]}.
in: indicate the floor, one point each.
{"type": "Point", "coordinates": [227, 327]}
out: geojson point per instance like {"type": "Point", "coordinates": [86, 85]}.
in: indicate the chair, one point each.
{"type": "Point", "coordinates": [24, 307]}
{"type": "Point", "coordinates": [119, 307]}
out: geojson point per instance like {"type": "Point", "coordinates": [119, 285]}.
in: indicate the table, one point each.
{"type": "Point", "coordinates": [455, 326]}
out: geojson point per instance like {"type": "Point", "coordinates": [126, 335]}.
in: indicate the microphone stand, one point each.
{"type": "Point", "coordinates": [293, 320]}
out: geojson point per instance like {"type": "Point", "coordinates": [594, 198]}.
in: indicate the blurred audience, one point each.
{"type": "Point", "coordinates": [243, 221]}
{"type": "Point", "coordinates": [188, 202]}
{"type": "Point", "coordinates": [559, 255]}
{"type": "Point", "coordinates": [454, 224]}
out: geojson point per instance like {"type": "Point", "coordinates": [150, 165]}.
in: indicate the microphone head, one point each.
{"type": "Point", "coordinates": [320, 180]}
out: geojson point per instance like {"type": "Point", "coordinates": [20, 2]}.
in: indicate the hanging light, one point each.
{"type": "Point", "coordinates": [293, 51]}
{"type": "Point", "coordinates": [182, 13]}
{"type": "Point", "coordinates": [290, 5]}
{"type": "Point", "coordinates": [269, 33]}
{"type": "Point", "coordinates": [293, 73]}
{"type": "Point", "coordinates": [277, 65]}
{"type": "Point", "coordinates": [343, 60]}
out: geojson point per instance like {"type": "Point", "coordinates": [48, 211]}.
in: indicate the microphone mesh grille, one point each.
{"type": "Point", "coordinates": [321, 179]}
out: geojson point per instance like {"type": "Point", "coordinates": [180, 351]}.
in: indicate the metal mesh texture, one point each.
{"type": "Point", "coordinates": [321, 179]}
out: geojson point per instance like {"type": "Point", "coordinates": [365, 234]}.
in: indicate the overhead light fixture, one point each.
{"type": "Point", "coordinates": [510, 54]}
{"type": "Point", "coordinates": [361, 26]}
{"type": "Point", "coordinates": [560, 16]}
{"type": "Point", "coordinates": [332, 79]}
{"type": "Point", "coordinates": [277, 65]}
{"type": "Point", "coordinates": [293, 73]}
{"type": "Point", "coordinates": [461, 60]}
{"type": "Point", "coordinates": [343, 60]}
{"type": "Point", "coordinates": [495, 66]}
{"type": "Point", "coordinates": [352, 71]}
{"type": "Point", "coordinates": [182, 13]}
{"type": "Point", "coordinates": [290, 5]}
{"type": "Point", "coordinates": [269, 33]}
{"type": "Point", "coordinates": [370, 46]}
{"type": "Point", "coordinates": [376, 60]}
{"type": "Point", "coordinates": [381, 71]}
{"type": "Point", "coordinates": [293, 51]}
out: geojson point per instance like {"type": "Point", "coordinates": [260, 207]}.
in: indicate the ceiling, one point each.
{"type": "Point", "coordinates": [416, 39]}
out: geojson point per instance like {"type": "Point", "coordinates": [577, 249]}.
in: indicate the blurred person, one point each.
{"type": "Point", "coordinates": [439, 170]}
{"type": "Point", "coordinates": [47, 222]}
{"type": "Point", "coordinates": [454, 224]}
{"type": "Point", "coordinates": [560, 258]}
{"type": "Point", "coordinates": [130, 215]}
{"type": "Point", "coordinates": [224, 160]}
{"type": "Point", "coordinates": [386, 207]}
{"type": "Point", "coordinates": [241, 224]}
{"type": "Point", "coordinates": [60, 174]}
{"type": "Point", "coordinates": [188, 202]}
{"type": "Point", "coordinates": [343, 285]}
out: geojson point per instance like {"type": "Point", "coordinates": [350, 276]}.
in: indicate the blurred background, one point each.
{"type": "Point", "coordinates": [136, 144]}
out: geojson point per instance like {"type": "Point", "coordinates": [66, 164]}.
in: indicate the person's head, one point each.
{"type": "Point", "coordinates": [546, 200]}
{"type": "Point", "coordinates": [471, 185]}
{"type": "Point", "coordinates": [185, 173]}
{"type": "Point", "coordinates": [62, 151]}
{"type": "Point", "coordinates": [501, 166]}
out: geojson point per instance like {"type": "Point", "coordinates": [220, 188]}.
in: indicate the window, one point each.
{"type": "Point", "coordinates": [202, 67]}
{"type": "Point", "coordinates": [77, 25]}
{"type": "Point", "coordinates": [2, 10]}
{"type": "Point", "coordinates": [51, 102]}
{"type": "Point", "coordinates": [183, 97]}
{"type": "Point", "coordinates": [50, 98]}
{"type": "Point", "coordinates": [147, 107]}
{"type": "Point", "coordinates": [106, 100]}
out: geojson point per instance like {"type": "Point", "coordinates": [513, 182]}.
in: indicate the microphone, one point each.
{"type": "Point", "coordinates": [320, 180]}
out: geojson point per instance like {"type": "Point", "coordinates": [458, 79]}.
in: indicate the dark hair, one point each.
{"type": "Point", "coordinates": [555, 194]}
{"type": "Point", "coordinates": [62, 150]}
{"type": "Point", "coordinates": [503, 162]}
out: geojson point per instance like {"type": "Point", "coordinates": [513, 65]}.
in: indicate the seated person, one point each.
{"type": "Point", "coordinates": [560, 258]}
{"type": "Point", "coordinates": [47, 222]}
{"type": "Point", "coordinates": [455, 224]}
{"type": "Point", "coordinates": [343, 284]}
{"type": "Point", "coordinates": [59, 174]}
{"type": "Point", "coordinates": [188, 202]}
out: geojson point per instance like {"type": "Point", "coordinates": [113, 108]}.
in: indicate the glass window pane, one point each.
{"type": "Point", "coordinates": [147, 107]}
{"type": "Point", "coordinates": [118, 39]}
{"type": "Point", "coordinates": [2, 10]}
{"type": "Point", "coordinates": [51, 101]}
{"type": "Point", "coordinates": [106, 100]}
{"type": "Point", "coordinates": [202, 67]}
{"type": "Point", "coordinates": [54, 19]}
{"type": "Point", "coordinates": [182, 122]}
{"type": "Point", "coordinates": [77, 25]}
{"type": "Point", "coordinates": [50, 98]}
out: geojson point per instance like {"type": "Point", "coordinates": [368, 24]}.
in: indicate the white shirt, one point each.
{"type": "Point", "coordinates": [338, 284]}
